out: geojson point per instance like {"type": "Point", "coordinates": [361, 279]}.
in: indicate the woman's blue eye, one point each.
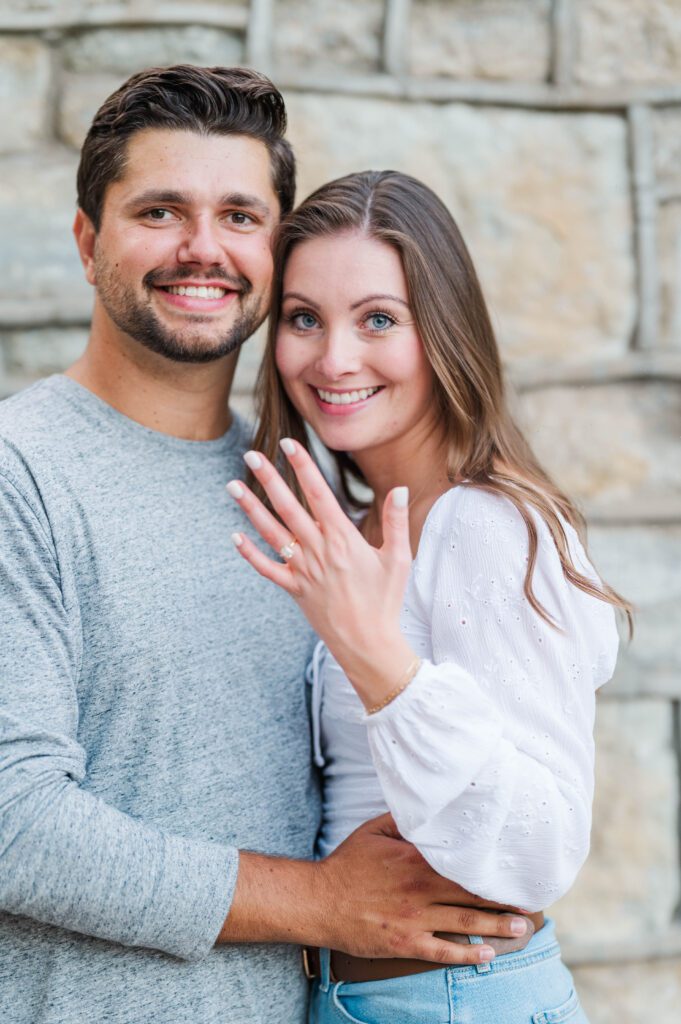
{"type": "Point", "coordinates": [304, 321]}
{"type": "Point", "coordinates": [379, 321]}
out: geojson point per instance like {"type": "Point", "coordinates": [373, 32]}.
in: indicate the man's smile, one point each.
{"type": "Point", "coordinates": [196, 298]}
{"type": "Point", "coordinates": [197, 295]}
{"type": "Point", "coordinates": [201, 291]}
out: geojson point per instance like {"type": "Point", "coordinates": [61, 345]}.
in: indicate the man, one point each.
{"type": "Point", "coordinates": [152, 712]}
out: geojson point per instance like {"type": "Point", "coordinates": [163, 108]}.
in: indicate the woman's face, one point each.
{"type": "Point", "coordinates": [348, 350]}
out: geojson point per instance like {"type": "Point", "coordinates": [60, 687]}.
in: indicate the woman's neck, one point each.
{"type": "Point", "coordinates": [423, 471]}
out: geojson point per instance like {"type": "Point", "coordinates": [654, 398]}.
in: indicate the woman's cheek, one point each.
{"type": "Point", "coordinates": [288, 359]}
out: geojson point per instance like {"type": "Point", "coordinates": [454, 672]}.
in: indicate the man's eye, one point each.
{"type": "Point", "coordinates": [379, 321]}
{"type": "Point", "coordinates": [158, 213]}
{"type": "Point", "coordinates": [239, 218]}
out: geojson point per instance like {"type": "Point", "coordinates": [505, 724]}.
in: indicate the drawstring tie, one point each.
{"type": "Point", "coordinates": [313, 676]}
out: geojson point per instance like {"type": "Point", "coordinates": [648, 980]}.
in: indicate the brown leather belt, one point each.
{"type": "Point", "coordinates": [345, 967]}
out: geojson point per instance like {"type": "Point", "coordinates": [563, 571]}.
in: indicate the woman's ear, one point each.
{"type": "Point", "coordinates": [85, 235]}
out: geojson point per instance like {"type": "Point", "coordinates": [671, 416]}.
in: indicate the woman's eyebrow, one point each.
{"type": "Point", "coordinates": [299, 297]}
{"type": "Point", "coordinates": [373, 298]}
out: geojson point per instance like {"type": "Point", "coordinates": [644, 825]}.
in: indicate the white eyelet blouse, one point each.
{"type": "Point", "coordinates": [486, 759]}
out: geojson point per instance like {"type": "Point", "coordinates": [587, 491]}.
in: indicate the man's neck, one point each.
{"type": "Point", "coordinates": [185, 400]}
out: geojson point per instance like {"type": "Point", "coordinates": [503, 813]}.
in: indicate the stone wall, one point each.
{"type": "Point", "coordinates": [553, 131]}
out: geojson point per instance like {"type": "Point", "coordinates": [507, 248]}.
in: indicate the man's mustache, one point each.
{"type": "Point", "coordinates": [159, 278]}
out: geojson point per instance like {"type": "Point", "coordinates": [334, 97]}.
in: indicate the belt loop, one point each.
{"type": "Point", "coordinates": [324, 969]}
{"type": "Point", "coordinates": [476, 940]}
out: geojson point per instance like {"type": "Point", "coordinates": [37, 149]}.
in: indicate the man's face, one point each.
{"type": "Point", "coordinates": [182, 260]}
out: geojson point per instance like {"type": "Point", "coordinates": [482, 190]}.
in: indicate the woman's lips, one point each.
{"type": "Point", "coordinates": [347, 405]}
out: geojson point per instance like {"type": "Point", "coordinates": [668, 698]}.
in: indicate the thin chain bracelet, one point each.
{"type": "Point", "coordinates": [404, 682]}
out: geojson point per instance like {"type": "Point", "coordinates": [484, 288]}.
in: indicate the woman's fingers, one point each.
{"type": "Point", "coordinates": [320, 497]}
{"type": "Point", "coordinates": [284, 501]}
{"type": "Point", "coordinates": [274, 571]}
{"type": "Point", "coordinates": [269, 528]}
{"type": "Point", "coordinates": [396, 525]}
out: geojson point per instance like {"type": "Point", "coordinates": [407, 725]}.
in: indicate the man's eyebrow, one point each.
{"type": "Point", "coordinates": [374, 298]}
{"type": "Point", "coordinates": [301, 298]}
{"type": "Point", "coordinates": [245, 201]}
{"type": "Point", "coordinates": [160, 197]}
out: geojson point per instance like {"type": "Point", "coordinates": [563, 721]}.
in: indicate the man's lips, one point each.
{"type": "Point", "coordinates": [203, 296]}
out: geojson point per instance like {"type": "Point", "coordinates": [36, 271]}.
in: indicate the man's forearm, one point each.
{"type": "Point", "coordinates": [276, 900]}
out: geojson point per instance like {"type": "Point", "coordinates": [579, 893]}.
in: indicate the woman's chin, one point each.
{"type": "Point", "coordinates": [336, 442]}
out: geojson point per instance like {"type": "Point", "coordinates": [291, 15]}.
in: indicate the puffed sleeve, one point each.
{"type": "Point", "coordinates": [486, 759]}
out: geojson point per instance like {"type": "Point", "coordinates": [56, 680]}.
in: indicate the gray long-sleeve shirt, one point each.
{"type": "Point", "coordinates": [152, 721]}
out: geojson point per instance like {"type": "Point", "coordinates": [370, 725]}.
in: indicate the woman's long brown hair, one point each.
{"type": "Point", "coordinates": [485, 447]}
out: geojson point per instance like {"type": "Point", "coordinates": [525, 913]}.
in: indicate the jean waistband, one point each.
{"type": "Point", "coordinates": [541, 946]}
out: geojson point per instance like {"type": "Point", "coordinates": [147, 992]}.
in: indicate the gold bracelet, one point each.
{"type": "Point", "coordinates": [404, 682]}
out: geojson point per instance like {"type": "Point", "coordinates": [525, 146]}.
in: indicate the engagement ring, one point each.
{"type": "Point", "coordinates": [287, 550]}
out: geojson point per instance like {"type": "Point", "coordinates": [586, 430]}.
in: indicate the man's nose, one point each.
{"type": "Point", "coordinates": [339, 356]}
{"type": "Point", "coordinates": [202, 243]}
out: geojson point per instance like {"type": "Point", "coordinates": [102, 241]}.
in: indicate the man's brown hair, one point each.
{"type": "Point", "coordinates": [209, 101]}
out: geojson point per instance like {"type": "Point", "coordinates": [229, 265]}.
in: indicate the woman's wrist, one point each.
{"type": "Point", "coordinates": [409, 674]}
{"type": "Point", "coordinates": [377, 673]}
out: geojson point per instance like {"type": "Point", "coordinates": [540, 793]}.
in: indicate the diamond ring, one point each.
{"type": "Point", "coordinates": [288, 549]}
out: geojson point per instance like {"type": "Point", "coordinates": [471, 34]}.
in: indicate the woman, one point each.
{"type": "Point", "coordinates": [465, 705]}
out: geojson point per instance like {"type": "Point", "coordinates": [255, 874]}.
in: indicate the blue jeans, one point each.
{"type": "Point", "coordinates": [532, 986]}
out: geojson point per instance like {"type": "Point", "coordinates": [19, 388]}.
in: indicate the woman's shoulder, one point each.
{"type": "Point", "coordinates": [474, 554]}
{"type": "Point", "coordinates": [476, 526]}
{"type": "Point", "coordinates": [482, 514]}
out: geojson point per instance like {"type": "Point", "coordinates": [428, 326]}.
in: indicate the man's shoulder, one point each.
{"type": "Point", "coordinates": [34, 427]}
{"type": "Point", "coordinates": [32, 410]}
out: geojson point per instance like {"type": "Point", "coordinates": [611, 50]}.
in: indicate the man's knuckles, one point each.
{"type": "Point", "coordinates": [468, 922]}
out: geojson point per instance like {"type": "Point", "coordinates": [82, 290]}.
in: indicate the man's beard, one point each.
{"type": "Point", "coordinates": [139, 321]}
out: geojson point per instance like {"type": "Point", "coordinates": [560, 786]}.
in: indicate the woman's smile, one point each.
{"type": "Point", "coordinates": [335, 402]}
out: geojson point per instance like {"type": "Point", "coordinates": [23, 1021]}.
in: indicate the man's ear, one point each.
{"type": "Point", "coordinates": [85, 235]}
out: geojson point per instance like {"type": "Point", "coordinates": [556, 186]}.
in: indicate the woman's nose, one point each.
{"type": "Point", "coordinates": [339, 357]}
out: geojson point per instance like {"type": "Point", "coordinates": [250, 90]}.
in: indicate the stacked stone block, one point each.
{"type": "Point", "coordinates": [552, 129]}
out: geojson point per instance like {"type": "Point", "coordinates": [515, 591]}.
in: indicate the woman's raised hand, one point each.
{"type": "Point", "coordinates": [350, 592]}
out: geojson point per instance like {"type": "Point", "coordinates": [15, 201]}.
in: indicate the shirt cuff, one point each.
{"type": "Point", "coordinates": [191, 899]}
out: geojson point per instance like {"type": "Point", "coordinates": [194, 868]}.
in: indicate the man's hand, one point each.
{"type": "Point", "coordinates": [375, 896]}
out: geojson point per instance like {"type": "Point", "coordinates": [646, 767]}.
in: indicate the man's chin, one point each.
{"type": "Point", "coordinates": [193, 345]}
{"type": "Point", "coordinates": [198, 352]}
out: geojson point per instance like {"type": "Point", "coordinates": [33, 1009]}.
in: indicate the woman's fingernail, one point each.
{"type": "Point", "coordinates": [487, 953]}
{"type": "Point", "coordinates": [237, 540]}
{"type": "Point", "coordinates": [518, 926]}
{"type": "Point", "coordinates": [287, 446]}
{"type": "Point", "coordinates": [401, 497]}
{"type": "Point", "coordinates": [252, 460]}
{"type": "Point", "coordinates": [235, 489]}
